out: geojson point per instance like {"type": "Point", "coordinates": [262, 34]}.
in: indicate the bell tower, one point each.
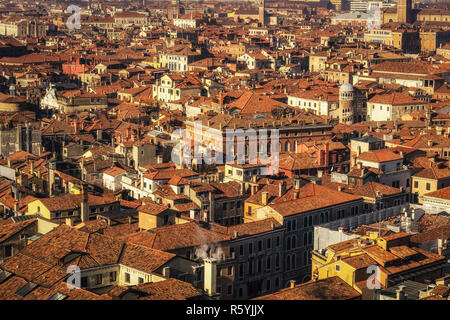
{"type": "Point", "coordinates": [346, 103]}
{"type": "Point", "coordinates": [262, 12]}
{"type": "Point", "coordinates": [404, 9]}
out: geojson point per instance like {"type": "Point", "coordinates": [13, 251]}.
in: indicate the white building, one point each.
{"type": "Point", "coordinates": [437, 201]}
{"type": "Point", "coordinates": [112, 178]}
{"type": "Point", "coordinates": [318, 101]}
{"type": "Point", "coordinates": [390, 107]}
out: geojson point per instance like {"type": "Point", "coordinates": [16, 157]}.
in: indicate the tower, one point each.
{"type": "Point", "coordinates": [261, 11]}
{"type": "Point", "coordinates": [404, 8]}
{"type": "Point", "coordinates": [346, 103]}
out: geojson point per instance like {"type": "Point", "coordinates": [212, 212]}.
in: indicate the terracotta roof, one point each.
{"type": "Point", "coordinates": [332, 288]}
{"type": "Point", "coordinates": [313, 197]}
{"type": "Point", "coordinates": [382, 155]}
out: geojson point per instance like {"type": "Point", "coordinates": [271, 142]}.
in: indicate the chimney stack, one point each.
{"type": "Point", "coordinates": [210, 276]}
{"type": "Point", "coordinates": [84, 203]}
{"type": "Point", "coordinates": [166, 272]}
{"type": "Point", "coordinates": [292, 283]}
{"type": "Point", "coordinates": [51, 177]}
{"type": "Point", "coordinates": [282, 189]}
{"type": "Point", "coordinates": [297, 183]}
{"type": "Point", "coordinates": [265, 198]}
{"type": "Point", "coordinates": [401, 295]}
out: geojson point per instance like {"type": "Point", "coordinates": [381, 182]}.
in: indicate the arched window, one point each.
{"type": "Point", "coordinates": [288, 262]}
{"type": "Point", "coordinates": [294, 240]}
{"type": "Point", "coordinates": [288, 243]}
{"type": "Point", "coordinates": [305, 258]}
{"type": "Point", "coordinates": [310, 238]}
{"type": "Point", "coordinates": [305, 239]}
{"type": "Point", "coordinates": [293, 261]}
{"type": "Point", "coordinates": [287, 146]}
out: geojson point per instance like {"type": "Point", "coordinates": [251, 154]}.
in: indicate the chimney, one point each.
{"type": "Point", "coordinates": [282, 189]}
{"type": "Point", "coordinates": [210, 276]}
{"type": "Point", "coordinates": [265, 198]}
{"type": "Point", "coordinates": [192, 213]}
{"type": "Point", "coordinates": [297, 183]}
{"type": "Point", "coordinates": [51, 178]}
{"type": "Point", "coordinates": [69, 222]}
{"type": "Point", "coordinates": [31, 167]}
{"type": "Point", "coordinates": [440, 247]}
{"type": "Point", "coordinates": [253, 189]}
{"type": "Point", "coordinates": [84, 203]}
{"type": "Point", "coordinates": [292, 283]}
{"type": "Point", "coordinates": [401, 293]}
{"type": "Point", "coordinates": [166, 272]}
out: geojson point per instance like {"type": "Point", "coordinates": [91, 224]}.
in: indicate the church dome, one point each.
{"type": "Point", "coordinates": [347, 87]}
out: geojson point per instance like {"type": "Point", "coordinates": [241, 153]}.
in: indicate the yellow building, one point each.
{"type": "Point", "coordinates": [152, 215]}
{"type": "Point", "coordinates": [70, 206]}
{"type": "Point", "coordinates": [317, 61]}
{"type": "Point", "coordinates": [371, 262]}
{"type": "Point", "coordinates": [429, 180]}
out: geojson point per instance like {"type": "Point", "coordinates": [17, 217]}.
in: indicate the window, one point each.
{"type": "Point", "coordinates": [259, 245]}
{"type": "Point", "coordinates": [416, 184]}
{"type": "Point", "coordinates": [127, 277]}
{"type": "Point", "coordinates": [241, 250]}
{"type": "Point", "coordinates": [98, 279]}
{"type": "Point", "coordinates": [8, 251]}
{"type": "Point", "coordinates": [140, 280]}
{"type": "Point", "coordinates": [250, 248]}
{"type": "Point", "coordinates": [112, 276]}
{"type": "Point", "coordinates": [84, 282]}
{"type": "Point", "coordinates": [268, 285]}
{"type": "Point", "coordinates": [428, 186]}
{"type": "Point", "coordinates": [268, 263]}
{"type": "Point", "coordinates": [230, 289]}
{"type": "Point", "coordinates": [337, 268]}
{"type": "Point", "coordinates": [230, 271]}
{"type": "Point", "coordinates": [269, 244]}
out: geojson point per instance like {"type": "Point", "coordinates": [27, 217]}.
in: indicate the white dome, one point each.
{"type": "Point", "coordinates": [347, 87]}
